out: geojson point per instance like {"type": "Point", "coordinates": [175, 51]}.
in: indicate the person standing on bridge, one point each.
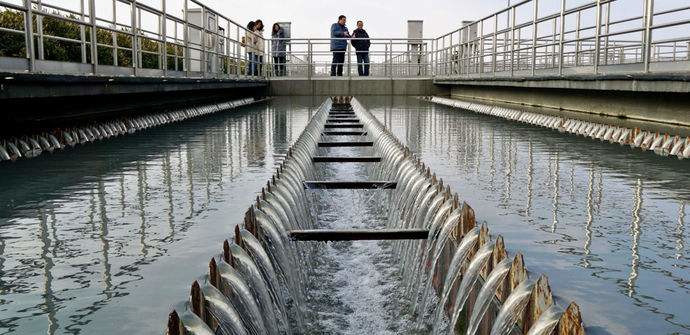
{"type": "Point", "coordinates": [259, 47]}
{"type": "Point", "coordinates": [278, 45]}
{"type": "Point", "coordinates": [339, 35]}
{"type": "Point", "coordinates": [361, 44]}
{"type": "Point", "coordinates": [248, 44]}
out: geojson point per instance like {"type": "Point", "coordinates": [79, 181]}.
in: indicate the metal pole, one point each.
{"type": "Point", "coordinates": [577, 39]}
{"type": "Point", "coordinates": [82, 31]}
{"type": "Point", "coordinates": [203, 63]}
{"type": "Point", "coordinates": [493, 52]}
{"type": "Point", "coordinates": [28, 29]}
{"type": "Point", "coordinates": [185, 36]}
{"type": "Point", "coordinates": [94, 37]}
{"type": "Point", "coordinates": [606, 39]}
{"type": "Point", "coordinates": [135, 46]}
{"type": "Point", "coordinates": [162, 29]}
{"type": "Point", "coordinates": [512, 42]}
{"type": "Point", "coordinates": [534, 36]}
{"type": "Point", "coordinates": [39, 28]}
{"type": "Point", "coordinates": [349, 61]}
{"type": "Point", "coordinates": [481, 48]}
{"type": "Point", "coordinates": [649, 21]}
{"type": "Point", "coordinates": [597, 38]}
{"type": "Point", "coordinates": [114, 34]}
{"type": "Point", "coordinates": [562, 36]}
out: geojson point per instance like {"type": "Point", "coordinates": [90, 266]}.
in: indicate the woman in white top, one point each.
{"type": "Point", "coordinates": [259, 47]}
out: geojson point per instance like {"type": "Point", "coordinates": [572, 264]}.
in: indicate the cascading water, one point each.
{"type": "Point", "coordinates": [264, 283]}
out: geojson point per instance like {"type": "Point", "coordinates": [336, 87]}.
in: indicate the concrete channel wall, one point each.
{"type": "Point", "coordinates": [354, 86]}
{"type": "Point", "coordinates": [665, 101]}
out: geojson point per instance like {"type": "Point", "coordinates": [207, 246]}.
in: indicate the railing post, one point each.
{"type": "Point", "coordinates": [162, 30]}
{"type": "Point", "coordinates": [309, 59]}
{"type": "Point", "coordinates": [82, 31]}
{"type": "Point", "coordinates": [577, 38]}
{"type": "Point", "coordinates": [512, 41]}
{"type": "Point", "coordinates": [114, 34]}
{"type": "Point", "coordinates": [597, 37]}
{"type": "Point", "coordinates": [203, 62]}
{"type": "Point", "coordinates": [561, 41]}
{"type": "Point", "coordinates": [39, 29]}
{"type": "Point", "coordinates": [607, 31]}
{"type": "Point", "coordinates": [493, 52]}
{"type": "Point", "coordinates": [648, 22]}
{"type": "Point", "coordinates": [481, 48]}
{"type": "Point", "coordinates": [185, 36]}
{"type": "Point", "coordinates": [238, 52]}
{"type": "Point", "coordinates": [135, 38]}
{"type": "Point", "coordinates": [94, 37]}
{"type": "Point", "coordinates": [391, 57]}
{"type": "Point", "coordinates": [349, 60]}
{"type": "Point", "coordinates": [28, 30]}
{"type": "Point", "coordinates": [534, 36]}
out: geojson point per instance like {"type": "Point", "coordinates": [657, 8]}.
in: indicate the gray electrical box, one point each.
{"type": "Point", "coordinates": [286, 26]}
{"type": "Point", "coordinates": [415, 31]}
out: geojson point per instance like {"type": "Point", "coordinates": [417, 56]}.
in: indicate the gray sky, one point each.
{"type": "Point", "coordinates": [383, 18]}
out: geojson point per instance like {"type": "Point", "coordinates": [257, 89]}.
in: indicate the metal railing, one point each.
{"type": "Point", "coordinates": [122, 38]}
{"type": "Point", "coordinates": [307, 58]}
{"type": "Point", "coordinates": [546, 38]}
{"type": "Point", "coordinates": [531, 38]}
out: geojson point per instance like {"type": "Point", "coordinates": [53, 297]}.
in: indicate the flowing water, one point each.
{"type": "Point", "coordinates": [106, 238]}
{"type": "Point", "coordinates": [606, 223]}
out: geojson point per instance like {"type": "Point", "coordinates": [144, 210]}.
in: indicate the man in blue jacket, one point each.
{"type": "Point", "coordinates": [361, 44]}
{"type": "Point", "coordinates": [339, 46]}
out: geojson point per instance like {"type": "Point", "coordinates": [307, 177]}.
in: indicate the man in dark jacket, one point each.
{"type": "Point", "coordinates": [338, 45]}
{"type": "Point", "coordinates": [362, 47]}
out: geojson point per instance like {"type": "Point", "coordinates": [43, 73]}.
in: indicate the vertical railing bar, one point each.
{"type": "Point", "coordinates": [607, 31]}
{"type": "Point", "coordinates": [94, 37]}
{"type": "Point", "coordinates": [185, 36]}
{"type": "Point", "coordinates": [481, 48]}
{"type": "Point", "coordinates": [39, 29]}
{"type": "Point", "coordinates": [534, 36]}
{"type": "Point", "coordinates": [512, 41]}
{"type": "Point", "coordinates": [82, 31]}
{"type": "Point", "coordinates": [113, 34]}
{"type": "Point", "coordinates": [162, 30]}
{"type": "Point", "coordinates": [597, 37]}
{"type": "Point", "coordinates": [493, 53]}
{"type": "Point", "coordinates": [203, 63]}
{"type": "Point", "coordinates": [577, 38]}
{"type": "Point", "coordinates": [135, 44]}
{"type": "Point", "coordinates": [28, 31]}
{"type": "Point", "coordinates": [561, 45]}
{"type": "Point", "coordinates": [649, 21]}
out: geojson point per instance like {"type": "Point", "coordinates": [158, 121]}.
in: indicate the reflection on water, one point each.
{"type": "Point", "coordinates": [102, 239]}
{"type": "Point", "coordinates": [606, 223]}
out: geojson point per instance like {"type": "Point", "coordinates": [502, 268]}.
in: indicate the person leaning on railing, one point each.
{"type": "Point", "coordinates": [278, 50]}
{"type": "Point", "coordinates": [339, 33]}
{"type": "Point", "coordinates": [362, 48]}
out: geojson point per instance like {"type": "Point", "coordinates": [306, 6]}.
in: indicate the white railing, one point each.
{"type": "Point", "coordinates": [546, 37]}
{"type": "Point", "coordinates": [532, 38]}
{"type": "Point", "coordinates": [151, 38]}
{"type": "Point", "coordinates": [387, 58]}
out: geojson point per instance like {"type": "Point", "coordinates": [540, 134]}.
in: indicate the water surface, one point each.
{"type": "Point", "coordinates": [606, 223]}
{"type": "Point", "coordinates": [105, 238]}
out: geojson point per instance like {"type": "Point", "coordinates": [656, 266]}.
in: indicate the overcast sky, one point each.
{"type": "Point", "coordinates": [383, 18]}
